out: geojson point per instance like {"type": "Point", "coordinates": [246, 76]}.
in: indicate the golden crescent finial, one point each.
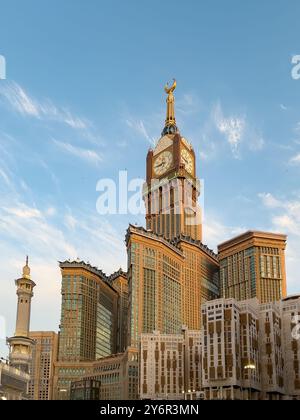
{"type": "Point", "coordinates": [171, 89]}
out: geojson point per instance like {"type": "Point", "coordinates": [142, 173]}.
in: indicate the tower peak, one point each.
{"type": "Point", "coordinates": [170, 124]}
{"type": "Point", "coordinates": [26, 269]}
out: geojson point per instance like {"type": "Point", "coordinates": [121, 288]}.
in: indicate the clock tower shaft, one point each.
{"type": "Point", "coordinates": [172, 189]}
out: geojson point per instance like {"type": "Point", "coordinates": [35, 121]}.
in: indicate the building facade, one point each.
{"type": "Point", "coordinates": [89, 314]}
{"type": "Point", "coordinates": [252, 265]}
{"type": "Point", "coordinates": [290, 319]}
{"type": "Point", "coordinates": [168, 281]}
{"type": "Point", "coordinates": [119, 282]}
{"type": "Point", "coordinates": [44, 355]}
{"type": "Point", "coordinates": [170, 365]}
{"type": "Point", "coordinates": [85, 390]}
{"type": "Point", "coordinates": [230, 352]}
{"type": "Point", "coordinates": [13, 383]}
{"type": "Point", "coordinates": [251, 350]}
{"type": "Point", "coordinates": [244, 351]}
{"type": "Point", "coordinates": [117, 375]}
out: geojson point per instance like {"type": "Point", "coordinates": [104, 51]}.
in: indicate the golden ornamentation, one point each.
{"type": "Point", "coordinates": [170, 120]}
{"type": "Point", "coordinates": [171, 89]}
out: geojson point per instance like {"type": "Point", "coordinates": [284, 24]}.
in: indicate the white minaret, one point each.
{"type": "Point", "coordinates": [20, 345]}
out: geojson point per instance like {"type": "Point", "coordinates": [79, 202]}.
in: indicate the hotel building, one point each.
{"type": "Point", "coordinates": [253, 265]}
{"type": "Point", "coordinates": [89, 315]}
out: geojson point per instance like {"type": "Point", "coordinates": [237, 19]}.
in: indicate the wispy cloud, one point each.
{"type": "Point", "coordinates": [188, 104]}
{"type": "Point", "coordinates": [285, 218]}
{"type": "Point", "coordinates": [88, 155]}
{"type": "Point", "coordinates": [232, 127]}
{"type": "Point", "coordinates": [139, 127]}
{"type": "Point", "coordinates": [5, 177]}
{"type": "Point", "coordinates": [216, 231]}
{"type": "Point", "coordinates": [289, 217]}
{"type": "Point", "coordinates": [224, 130]}
{"type": "Point", "coordinates": [283, 107]}
{"type": "Point", "coordinates": [26, 105]}
{"type": "Point", "coordinates": [295, 160]}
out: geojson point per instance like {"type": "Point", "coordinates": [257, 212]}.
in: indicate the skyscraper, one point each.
{"type": "Point", "coordinates": [21, 344]}
{"type": "Point", "coordinates": [88, 329]}
{"type": "Point", "coordinates": [170, 271]}
{"type": "Point", "coordinates": [253, 265]}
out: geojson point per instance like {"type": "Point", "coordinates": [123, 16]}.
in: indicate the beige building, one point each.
{"type": "Point", "coordinates": [93, 322]}
{"type": "Point", "coordinates": [89, 314]}
{"type": "Point", "coordinates": [168, 282]}
{"type": "Point", "coordinates": [245, 350]}
{"type": "Point", "coordinates": [290, 318]}
{"type": "Point", "coordinates": [44, 355]}
{"type": "Point", "coordinates": [170, 365]}
{"type": "Point", "coordinates": [65, 373]}
{"type": "Point", "coordinates": [250, 350]}
{"type": "Point", "coordinates": [13, 383]}
{"type": "Point", "coordinates": [117, 374]}
{"type": "Point", "coordinates": [230, 335]}
{"type": "Point", "coordinates": [120, 284]}
{"type": "Point", "coordinates": [271, 349]}
{"type": "Point", "coordinates": [253, 265]}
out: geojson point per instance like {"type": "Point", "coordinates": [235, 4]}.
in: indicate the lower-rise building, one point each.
{"type": "Point", "coordinates": [85, 390]}
{"type": "Point", "coordinates": [230, 354]}
{"type": "Point", "coordinates": [170, 365]}
{"type": "Point", "coordinates": [117, 374]}
{"type": "Point", "coordinates": [44, 354]}
{"type": "Point", "coordinates": [290, 318]}
{"type": "Point", "coordinates": [13, 383]}
{"type": "Point", "coordinates": [245, 350]}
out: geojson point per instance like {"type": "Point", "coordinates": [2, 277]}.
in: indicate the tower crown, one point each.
{"type": "Point", "coordinates": [26, 270]}
{"type": "Point", "coordinates": [170, 125]}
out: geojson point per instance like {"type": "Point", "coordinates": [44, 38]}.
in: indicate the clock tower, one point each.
{"type": "Point", "coordinates": [172, 189]}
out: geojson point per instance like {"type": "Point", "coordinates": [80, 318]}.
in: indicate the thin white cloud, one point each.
{"type": "Point", "coordinates": [215, 231]}
{"type": "Point", "coordinates": [188, 104]}
{"type": "Point", "coordinates": [269, 200]}
{"type": "Point", "coordinates": [232, 127]}
{"type": "Point", "coordinates": [88, 155]}
{"type": "Point", "coordinates": [139, 127]}
{"type": "Point", "coordinates": [285, 218]}
{"type": "Point", "coordinates": [5, 177]}
{"type": "Point", "coordinates": [26, 105]}
{"type": "Point", "coordinates": [283, 107]}
{"type": "Point", "coordinates": [295, 160]}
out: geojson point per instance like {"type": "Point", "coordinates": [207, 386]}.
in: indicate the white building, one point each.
{"type": "Point", "coordinates": [170, 365]}
{"type": "Point", "coordinates": [13, 383]}
{"type": "Point", "coordinates": [245, 350]}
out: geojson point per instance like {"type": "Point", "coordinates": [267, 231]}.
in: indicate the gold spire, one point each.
{"type": "Point", "coordinates": [170, 120]}
{"type": "Point", "coordinates": [26, 270]}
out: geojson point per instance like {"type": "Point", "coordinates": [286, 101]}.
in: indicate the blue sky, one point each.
{"type": "Point", "coordinates": [84, 99]}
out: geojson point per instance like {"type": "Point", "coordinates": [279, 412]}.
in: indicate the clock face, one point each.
{"type": "Point", "coordinates": [163, 163]}
{"type": "Point", "coordinates": [187, 161]}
